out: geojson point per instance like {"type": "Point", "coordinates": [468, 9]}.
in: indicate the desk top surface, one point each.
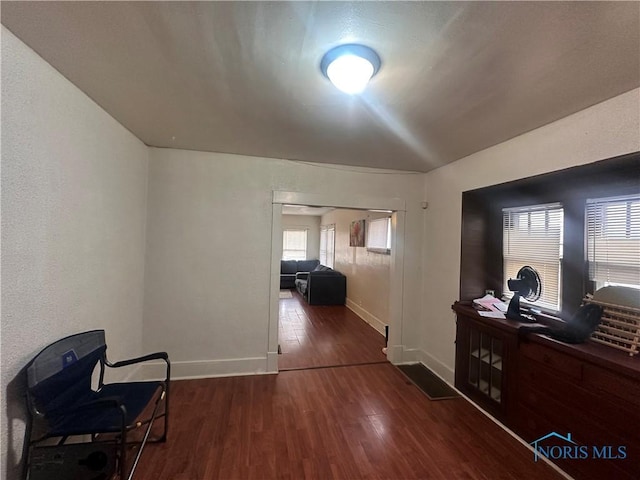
{"type": "Point", "coordinates": [589, 351]}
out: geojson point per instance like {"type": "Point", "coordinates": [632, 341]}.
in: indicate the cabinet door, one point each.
{"type": "Point", "coordinates": [485, 364]}
{"type": "Point", "coordinates": [480, 362]}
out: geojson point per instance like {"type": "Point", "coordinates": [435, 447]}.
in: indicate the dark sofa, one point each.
{"type": "Point", "coordinates": [289, 269]}
{"type": "Point", "coordinates": [322, 286]}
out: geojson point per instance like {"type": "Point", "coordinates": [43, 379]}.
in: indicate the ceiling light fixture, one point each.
{"type": "Point", "coordinates": [350, 67]}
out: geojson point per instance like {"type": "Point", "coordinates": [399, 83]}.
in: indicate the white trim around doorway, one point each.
{"type": "Point", "coordinates": [396, 346]}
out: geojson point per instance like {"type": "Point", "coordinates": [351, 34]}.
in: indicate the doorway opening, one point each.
{"type": "Point", "coordinates": [311, 336]}
{"type": "Point", "coordinates": [318, 324]}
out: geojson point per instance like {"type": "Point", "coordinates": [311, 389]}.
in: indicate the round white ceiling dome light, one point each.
{"type": "Point", "coordinates": [350, 67]}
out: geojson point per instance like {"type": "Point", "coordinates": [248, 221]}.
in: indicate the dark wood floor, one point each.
{"type": "Point", "coordinates": [321, 336]}
{"type": "Point", "coordinates": [348, 422]}
{"type": "Point", "coordinates": [364, 421]}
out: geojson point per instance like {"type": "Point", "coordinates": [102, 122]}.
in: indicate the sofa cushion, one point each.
{"type": "Point", "coordinates": [301, 286]}
{"type": "Point", "coordinates": [326, 288]}
{"type": "Point", "coordinates": [322, 268]}
{"type": "Point", "coordinates": [307, 265]}
{"type": "Point", "coordinates": [287, 281]}
{"type": "Point", "coordinates": [325, 273]}
{"type": "Point", "coordinates": [288, 266]}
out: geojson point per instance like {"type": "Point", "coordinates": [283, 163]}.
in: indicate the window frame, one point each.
{"type": "Point", "coordinates": [386, 250]}
{"type": "Point", "coordinates": [326, 229]}
{"type": "Point", "coordinates": [306, 242]}
{"type": "Point", "coordinates": [481, 264]}
{"type": "Point", "coordinates": [521, 239]}
{"type": "Point", "coordinates": [600, 219]}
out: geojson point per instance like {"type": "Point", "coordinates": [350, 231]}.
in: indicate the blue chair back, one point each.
{"type": "Point", "coordinates": [60, 375]}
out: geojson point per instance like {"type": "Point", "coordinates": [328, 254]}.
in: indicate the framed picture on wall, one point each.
{"type": "Point", "coordinates": [356, 233]}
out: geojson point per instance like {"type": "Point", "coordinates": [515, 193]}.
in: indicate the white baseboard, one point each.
{"type": "Point", "coordinates": [410, 355]}
{"type": "Point", "coordinates": [272, 362]}
{"type": "Point", "coordinates": [368, 317]}
{"type": "Point", "coordinates": [394, 354]}
{"type": "Point", "coordinates": [205, 368]}
{"type": "Point", "coordinates": [447, 374]}
{"type": "Point", "coordinates": [443, 371]}
{"type": "Point", "coordinates": [401, 355]}
{"type": "Point", "coordinates": [516, 437]}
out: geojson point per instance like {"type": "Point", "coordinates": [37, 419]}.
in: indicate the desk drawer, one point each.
{"type": "Point", "coordinates": [558, 362]}
{"type": "Point", "coordinates": [612, 384]}
{"type": "Point", "coordinates": [530, 425]}
{"type": "Point", "coordinates": [574, 405]}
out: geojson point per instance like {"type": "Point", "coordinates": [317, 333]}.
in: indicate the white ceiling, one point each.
{"type": "Point", "coordinates": [243, 77]}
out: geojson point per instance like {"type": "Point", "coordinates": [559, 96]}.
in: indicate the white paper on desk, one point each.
{"type": "Point", "coordinates": [501, 306]}
{"type": "Point", "coordinates": [489, 302]}
{"type": "Point", "coordinates": [486, 299]}
{"type": "Point", "coordinates": [491, 314]}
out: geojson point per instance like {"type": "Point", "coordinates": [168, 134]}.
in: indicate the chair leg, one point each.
{"type": "Point", "coordinates": [26, 447]}
{"type": "Point", "coordinates": [164, 395]}
{"type": "Point", "coordinates": [123, 454]}
{"type": "Point", "coordinates": [142, 444]}
{"type": "Point", "coordinates": [166, 412]}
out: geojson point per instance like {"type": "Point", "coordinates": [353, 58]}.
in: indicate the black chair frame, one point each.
{"type": "Point", "coordinates": [39, 419]}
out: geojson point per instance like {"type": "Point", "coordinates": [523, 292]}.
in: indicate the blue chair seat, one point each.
{"type": "Point", "coordinates": [134, 396]}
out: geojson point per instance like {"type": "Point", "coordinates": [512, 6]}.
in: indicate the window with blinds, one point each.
{"type": "Point", "coordinates": [294, 245]}
{"type": "Point", "coordinates": [613, 240]}
{"type": "Point", "coordinates": [379, 235]}
{"type": "Point", "coordinates": [327, 245]}
{"type": "Point", "coordinates": [533, 236]}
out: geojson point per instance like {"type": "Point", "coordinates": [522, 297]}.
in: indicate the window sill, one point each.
{"type": "Point", "coordinates": [383, 251]}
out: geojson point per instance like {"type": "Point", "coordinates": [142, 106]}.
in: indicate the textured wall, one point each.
{"type": "Point", "coordinates": [368, 273]}
{"type": "Point", "coordinates": [209, 251]}
{"type": "Point", "coordinates": [73, 217]}
{"type": "Point", "coordinates": [603, 131]}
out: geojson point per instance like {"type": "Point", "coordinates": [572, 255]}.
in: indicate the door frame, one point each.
{"type": "Point", "coordinates": [395, 345]}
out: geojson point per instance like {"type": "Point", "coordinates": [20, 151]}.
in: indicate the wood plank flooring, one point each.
{"type": "Point", "coordinates": [365, 421]}
{"type": "Point", "coordinates": [318, 336]}
{"type": "Point", "coordinates": [360, 422]}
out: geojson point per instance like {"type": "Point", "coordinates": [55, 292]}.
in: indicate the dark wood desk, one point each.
{"type": "Point", "coordinates": [535, 385]}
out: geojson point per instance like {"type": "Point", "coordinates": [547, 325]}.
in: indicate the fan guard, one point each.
{"type": "Point", "coordinates": [527, 284]}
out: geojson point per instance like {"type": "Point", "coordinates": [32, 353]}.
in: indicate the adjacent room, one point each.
{"type": "Point", "coordinates": [337, 315]}
{"type": "Point", "coordinates": [339, 239]}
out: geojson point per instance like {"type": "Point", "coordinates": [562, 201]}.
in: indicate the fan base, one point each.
{"type": "Point", "coordinates": [513, 311]}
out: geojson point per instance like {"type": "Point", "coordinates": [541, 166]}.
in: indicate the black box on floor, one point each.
{"type": "Point", "coordinates": [78, 461]}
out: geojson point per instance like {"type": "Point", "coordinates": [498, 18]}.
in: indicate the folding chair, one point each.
{"type": "Point", "coordinates": [62, 403]}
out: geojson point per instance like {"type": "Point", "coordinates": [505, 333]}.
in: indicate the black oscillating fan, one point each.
{"type": "Point", "coordinates": [527, 285]}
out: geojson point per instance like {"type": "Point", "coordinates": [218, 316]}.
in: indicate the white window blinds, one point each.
{"type": "Point", "coordinates": [613, 240]}
{"type": "Point", "coordinates": [327, 245]}
{"type": "Point", "coordinates": [294, 244]}
{"type": "Point", "coordinates": [533, 236]}
{"type": "Point", "coordinates": [379, 235]}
